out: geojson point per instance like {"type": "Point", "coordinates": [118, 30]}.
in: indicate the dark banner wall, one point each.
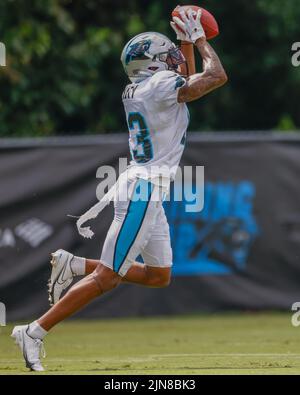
{"type": "Point", "coordinates": [242, 251]}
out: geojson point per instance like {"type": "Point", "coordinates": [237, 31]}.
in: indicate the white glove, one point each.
{"type": "Point", "coordinates": [193, 29]}
{"type": "Point", "coordinates": [181, 36]}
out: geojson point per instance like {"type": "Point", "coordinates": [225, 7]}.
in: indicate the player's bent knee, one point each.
{"type": "Point", "coordinates": [159, 278]}
{"type": "Point", "coordinates": [164, 281]}
{"type": "Point", "coordinates": [106, 278]}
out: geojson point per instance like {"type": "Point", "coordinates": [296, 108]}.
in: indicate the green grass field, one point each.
{"type": "Point", "coordinates": [264, 343]}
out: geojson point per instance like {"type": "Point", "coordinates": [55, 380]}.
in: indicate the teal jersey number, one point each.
{"type": "Point", "coordinates": [143, 151]}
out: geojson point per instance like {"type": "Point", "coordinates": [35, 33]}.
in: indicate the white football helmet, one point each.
{"type": "Point", "coordinates": [150, 52]}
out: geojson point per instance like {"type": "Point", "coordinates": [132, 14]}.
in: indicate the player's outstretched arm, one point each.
{"type": "Point", "coordinates": [213, 75]}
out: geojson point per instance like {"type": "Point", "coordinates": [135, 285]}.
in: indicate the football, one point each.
{"type": "Point", "coordinates": [208, 21]}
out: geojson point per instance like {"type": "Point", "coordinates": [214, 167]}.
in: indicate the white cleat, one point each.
{"type": "Point", "coordinates": [61, 275]}
{"type": "Point", "coordinates": [31, 348]}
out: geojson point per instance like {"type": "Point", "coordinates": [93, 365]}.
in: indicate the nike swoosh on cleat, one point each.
{"type": "Point", "coordinates": [51, 290]}
{"type": "Point", "coordinates": [28, 364]}
{"type": "Point", "coordinates": [62, 276]}
{"type": "Point", "coordinates": [59, 280]}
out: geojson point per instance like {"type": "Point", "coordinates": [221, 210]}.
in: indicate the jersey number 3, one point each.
{"type": "Point", "coordinates": [142, 151]}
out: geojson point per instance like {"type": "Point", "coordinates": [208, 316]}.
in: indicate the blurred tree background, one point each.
{"type": "Point", "coordinates": [64, 76]}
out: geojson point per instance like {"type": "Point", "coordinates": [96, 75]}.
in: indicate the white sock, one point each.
{"type": "Point", "coordinates": [36, 331]}
{"type": "Point", "coordinates": [78, 266]}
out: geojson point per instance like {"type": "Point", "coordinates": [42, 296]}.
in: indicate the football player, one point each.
{"type": "Point", "coordinates": [157, 117]}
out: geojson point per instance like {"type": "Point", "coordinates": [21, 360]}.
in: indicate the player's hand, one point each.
{"type": "Point", "coordinates": [181, 36]}
{"type": "Point", "coordinates": [192, 28]}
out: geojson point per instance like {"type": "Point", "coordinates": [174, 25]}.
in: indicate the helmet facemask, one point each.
{"type": "Point", "coordinates": [173, 58]}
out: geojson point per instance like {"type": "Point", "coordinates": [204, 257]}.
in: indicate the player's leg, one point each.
{"type": "Point", "coordinates": [157, 254]}
{"type": "Point", "coordinates": [29, 337]}
{"type": "Point", "coordinates": [148, 276]}
{"type": "Point", "coordinates": [102, 280]}
{"type": "Point", "coordinates": [130, 232]}
{"type": "Point", "coordinates": [139, 273]}
{"type": "Point", "coordinates": [65, 267]}
{"type": "Point", "coordinates": [126, 239]}
{"type": "Point", "coordinates": [124, 242]}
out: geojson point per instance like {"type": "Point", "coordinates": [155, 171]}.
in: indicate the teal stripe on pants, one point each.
{"type": "Point", "coordinates": [132, 223]}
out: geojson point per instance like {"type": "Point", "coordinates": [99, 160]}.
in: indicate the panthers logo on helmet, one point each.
{"type": "Point", "coordinates": [137, 50]}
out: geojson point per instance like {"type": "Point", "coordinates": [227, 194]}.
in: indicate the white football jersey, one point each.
{"type": "Point", "coordinates": [157, 125]}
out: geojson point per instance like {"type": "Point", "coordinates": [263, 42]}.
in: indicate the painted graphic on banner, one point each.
{"type": "Point", "coordinates": [217, 240]}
